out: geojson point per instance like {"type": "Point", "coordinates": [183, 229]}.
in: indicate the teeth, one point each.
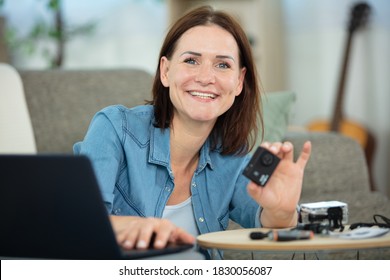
{"type": "Point", "coordinates": [203, 95]}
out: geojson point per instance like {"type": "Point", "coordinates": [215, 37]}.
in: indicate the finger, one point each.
{"type": "Point", "coordinates": [145, 234]}
{"type": "Point", "coordinates": [185, 237]}
{"type": "Point", "coordinates": [163, 233]}
{"type": "Point", "coordinates": [127, 244]}
{"type": "Point", "coordinates": [275, 148]}
{"type": "Point", "coordinates": [121, 237]}
{"type": "Point", "coordinates": [288, 150]}
{"type": "Point", "coordinates": [265, 145]}
{"type": "Point", "coordinates": [181, 236]}
{"type": "Point", "coordinates": [126, 230]}
{"type": "Point", "coordinates": [128, 237]}
{"type": "Point", "coordinates": [305, 155]}
{"type": "Point", "coordinates": [254, 190]}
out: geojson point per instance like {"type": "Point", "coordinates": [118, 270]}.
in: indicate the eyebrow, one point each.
{"type": "Point", "coordinates": [199, 54]}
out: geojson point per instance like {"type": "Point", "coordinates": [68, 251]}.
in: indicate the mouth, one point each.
{"type": "Point", "coordinates": [203, 95]}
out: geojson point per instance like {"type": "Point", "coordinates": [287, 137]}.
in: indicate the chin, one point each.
{"type": "Point", "coordinates": [203, 117]}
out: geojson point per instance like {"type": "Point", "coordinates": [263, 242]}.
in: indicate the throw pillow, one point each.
{"type": "Point", "coordinates": [276, 112]}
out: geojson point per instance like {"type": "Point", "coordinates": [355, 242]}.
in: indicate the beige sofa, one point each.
{"type": "Point", "coordinates": [61, 104]}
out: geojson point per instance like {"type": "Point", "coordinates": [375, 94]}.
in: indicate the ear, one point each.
{"type": "Point", "coordinates": [164, 69]}
{"type": "Point", "coordinates": [241, 80]}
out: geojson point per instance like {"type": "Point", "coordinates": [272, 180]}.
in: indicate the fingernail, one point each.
{"type": "Point", "coordinates": [141, 244]}
{"type": "Point", "coordinates": [127, 244]}
{"type": "Point", "coordinates": [159, 243]}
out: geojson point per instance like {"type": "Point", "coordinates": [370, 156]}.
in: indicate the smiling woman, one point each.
{"type": "Point", "coordinates": [174, 166]}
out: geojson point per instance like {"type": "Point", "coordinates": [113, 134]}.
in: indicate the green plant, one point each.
{"type": "Point", "coordinates": [57, 31]}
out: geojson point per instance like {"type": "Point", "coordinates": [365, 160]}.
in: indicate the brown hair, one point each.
{"type": "Point", "coordinates": [235, 131]}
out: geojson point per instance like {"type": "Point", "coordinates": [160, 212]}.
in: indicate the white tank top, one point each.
{"type": "Point", "coordinates": [182, 215]}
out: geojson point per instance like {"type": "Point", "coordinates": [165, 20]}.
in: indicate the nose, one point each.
{"type": "Point", "coordinates": [205, 74]}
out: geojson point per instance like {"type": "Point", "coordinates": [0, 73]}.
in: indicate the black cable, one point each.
{"type": "Point", "coordinates": [386, 223]}
{"type": "Point", "coordinates": [385, 219]}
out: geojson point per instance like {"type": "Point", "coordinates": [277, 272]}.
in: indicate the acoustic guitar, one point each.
{"type": "Point", "coordinates": [358, 18]}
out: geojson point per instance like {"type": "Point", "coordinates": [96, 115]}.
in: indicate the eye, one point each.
{"type": "Point", "coordinates": [190, 60]}
{"type": "Point", "coordinates": [223, 65]}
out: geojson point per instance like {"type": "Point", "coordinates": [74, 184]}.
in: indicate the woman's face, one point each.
{"type": "Point", "coordinates": [204, 74]}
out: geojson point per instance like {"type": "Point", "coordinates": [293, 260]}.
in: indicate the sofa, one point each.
{"type": "Point", "coordinates": [61, 103]}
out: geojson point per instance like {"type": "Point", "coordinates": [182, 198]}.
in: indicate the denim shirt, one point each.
{"type": "Point", "coordinates": [131, 159]}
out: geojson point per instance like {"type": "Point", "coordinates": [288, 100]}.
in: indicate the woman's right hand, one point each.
{"type": "Point", "coordinates": [136, 232]}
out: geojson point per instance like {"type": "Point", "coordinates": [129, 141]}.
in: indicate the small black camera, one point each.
{"type": "Point", "coordinates": [261, 166]}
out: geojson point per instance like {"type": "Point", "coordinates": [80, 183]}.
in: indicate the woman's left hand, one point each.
{"type": "Point", "coordinates": [280, 196]}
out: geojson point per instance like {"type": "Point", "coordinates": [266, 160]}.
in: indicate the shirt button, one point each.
{"type": "Point", "coordinates": [194, 184]}
{"type": "Point", "coordinates": [167, 189]}
{"type": "Point", "coordinates": [201, 219]}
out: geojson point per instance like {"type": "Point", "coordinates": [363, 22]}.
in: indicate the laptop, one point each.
{"type": "Point", "coordinates": [51, 208]}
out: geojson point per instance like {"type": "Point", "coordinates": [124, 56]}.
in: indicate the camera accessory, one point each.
{"type": "Point", "coordinates": [261, 166]}
{"type": "Point", "coordinates": [283, 235]}
{"type": "Point", "coordinates": [331, 213]}
{"type": "Point", "coordinates": [317, 228]}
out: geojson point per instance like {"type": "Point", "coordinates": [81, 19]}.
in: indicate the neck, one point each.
{"type": "Point", "coordinates": [186, 142]}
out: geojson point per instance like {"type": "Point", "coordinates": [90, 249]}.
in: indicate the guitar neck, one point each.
{"type": "Point", "coordinates": [338, 107]}
{"type": "Point", "coordinates": [358, 17]}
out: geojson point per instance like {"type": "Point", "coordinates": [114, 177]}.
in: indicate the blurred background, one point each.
{"type": "Point", "coordinates": [299, 45]}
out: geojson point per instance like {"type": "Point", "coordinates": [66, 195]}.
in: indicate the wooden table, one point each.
{"type": "Point", "coordinates": [239, 240]}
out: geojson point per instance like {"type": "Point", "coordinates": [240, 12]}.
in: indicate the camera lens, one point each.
{"type": "Point", "coordinates": [267, 159]}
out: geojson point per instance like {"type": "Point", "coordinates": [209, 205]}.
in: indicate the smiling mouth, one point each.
{"type": "Point", "coordinates": [203, 95]}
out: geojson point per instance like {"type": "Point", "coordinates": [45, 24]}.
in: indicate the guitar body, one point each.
{"type": "Point", "coordinates": [338, 123]}
{"type": "Point", "coordinates": [346, 127]}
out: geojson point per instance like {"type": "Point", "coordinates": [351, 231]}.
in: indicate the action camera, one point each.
{"type": "Point", "coordinates": [261, 166]}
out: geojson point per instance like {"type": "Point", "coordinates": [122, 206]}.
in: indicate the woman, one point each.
{"type": "Point", "coordinates": [174, 167]}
